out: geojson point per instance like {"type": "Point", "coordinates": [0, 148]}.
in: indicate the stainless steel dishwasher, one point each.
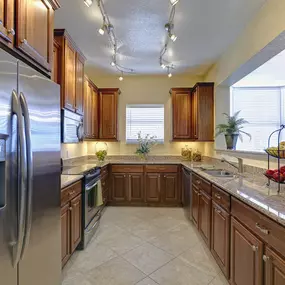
{"type": "Point", "coordinates": [187, 192]}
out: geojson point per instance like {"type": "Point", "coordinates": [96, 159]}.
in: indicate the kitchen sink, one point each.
{"type": "Point", "coordinates": [219, 173]}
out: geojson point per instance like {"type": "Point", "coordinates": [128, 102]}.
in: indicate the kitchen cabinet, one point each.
{"type": "Point", "coordinates": [34, 29]}
{"type": "Point", "coordinates": [195, 205]}
{"type": "Point", "coordinates": [170, 193]}
{"type": "Point", "coordinates": [70, 72]}
{"type": "Point", "coordinates": [203, 111]}
{"type": "Point", "coordinates": [153, 187]}
{"type": "Point", "coordinates": [181, 109]}
{"type": "Point", "coordinates": [87, 119]}
{"type": "Point", "coordinates": [56, 58]}
{"type": "Point", "coordinates": [204, 217]}
{"type": "Point", "coordinates": [71, 220]}
{"type": "Point", "coordinates": [7, 29]}
{"type": "Point", "coordinates": [119, 187]}
{"type": "Point", "coordinates": [94, 112]}
{"type": "Point", "coordinates": [274, 268]}
{"type": "Point", "coordinates": [108, 114]}
{"type": "Point", "coordinates": [246, 256]}
{"type": "Point", "coordinates": [105, 184]}
{"type": "Point", "coordinates": [220, 239]}
{"type": "Point", "coordinates": [136, 187]}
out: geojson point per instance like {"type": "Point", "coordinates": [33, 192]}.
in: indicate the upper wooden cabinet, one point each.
{"type": "Point", "coordinates": [7, 29]}
{"type": "Point", "coordinates": [70, 71]}
{"type": "Point", "coordinates": [203, 112]}
{"type": "Point", "coordinates": [108, 113]}
{"type": "Point", "coordinates": [181, 108]}
{"type": "Point", "coordinates": [34, 29]}
{"type": "Point", "coordinates": [193, 112]}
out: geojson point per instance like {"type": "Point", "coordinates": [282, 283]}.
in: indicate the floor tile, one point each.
{"type": "Point", "coordinates": [147, 281]}
{"type": "Point", "coordinates": [147, 258]}
{"type": "Point", "coordinates": [115, 272]}
{"type": "Point", "coordinates": [220, 280]}
{"type": "Point", "coordinates": [177, 273]}
{"type": "Point", "coordinates": [75, 278]}
{"type": "Point", "coordinates": [165, 222]}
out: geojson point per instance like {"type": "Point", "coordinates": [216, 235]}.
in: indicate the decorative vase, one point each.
{"type": "Point", "coordinates": [231, 141]}
{"type": "Point", "coordinates": [101, 151]}
{"type": "Point", "coordinates": [143, 156]}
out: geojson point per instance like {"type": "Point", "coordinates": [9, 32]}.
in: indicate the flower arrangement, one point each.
{"type": "Point", "coordinates": [145, 145]}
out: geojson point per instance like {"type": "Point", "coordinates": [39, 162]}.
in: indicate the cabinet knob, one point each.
{"type": "Point", "coordinates": [198, 182]}
{"type": "Point", "coordinates": [262, 229]}
{"type": "Point", "coordinates": [12, 32]}
{"type": "Point", "coordinates": [265, 258]}
{"type": "Point", "coordinates": [218, 211]}
{"type": "Point", "coordinates": [124, 175]}
{"type": "Point", "coordinates": [24, 41]}
{"type": "Point", "coordinates": [70, 208]}
{"type": "Point", "coordinates": [217, 196]}
{"type": "Point", "coordinates": [255, 248]}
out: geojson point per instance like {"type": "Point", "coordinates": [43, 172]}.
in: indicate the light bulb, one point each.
{"type": "Point", "coordinates": [170, 75]}
{"type": "Point", "coordinates": [173, 37]}
{"type": "Point", "coordinates": [163, 66]}
{"type": "Point", "coordinates": [174, 2]}
{"type": "Point", "coordinates": [101, 31]}
{"type": "Point", "coordinates": [113, 63]}
{"type": "Point", "coordinates": [121, 78]}
{"type": "Point", "coordinates": [88, 3]}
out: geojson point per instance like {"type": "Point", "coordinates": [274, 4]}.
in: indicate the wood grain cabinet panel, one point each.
{"type": "Point", "coordinates": [94, 112]}
{"type": "Point", "coordinates": [220, 240]}
{"type": "Point", "coordinates": [87, 119]}
{"type": "Point", "coordinates": [76, 221]}
{"type": "Point", "coordinates": [136, 187]}
{"type": "Point", "coordinates": [274, 268]}
{"type": "Point", "coordinates": [204, 217]}
{"type": "Point", "coordinates": [79, 84]}
{"type": "Point", "coordinates": [170, 191]}
{"type": "Point", "coordinates": [34, 29]}
{"type": "Point", "coordinates": [195, 205]}
{"type": "Point", "coordinates": [7, 29]}
{"type": "Point", "coordinates": [65, 234]}
{"type": "Point", "coordinates": [246, 256]}
{"type": "Point", "coordinates": [119, 187]}
{"type": "Point", "coordinates": [153, 187]}
{"type": "Point", "coordinates": [108, 113]}
{"type": "Point", "coordinates": [181, 108]}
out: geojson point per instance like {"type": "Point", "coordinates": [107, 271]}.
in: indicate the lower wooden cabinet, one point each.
{"type": "Point", "coordinates": [153, 187]}
{"type": "Point", "coordinates": [195, 205]}
{"type": "Point", "coordinates": [220, 239]}
{"type": "Point", "coordinates": [76, 221]}
{"type": "Point", "coordinates": [274, 268]}
{"type": "Point", "coordinates": [136, 187]}
{"type": "Point", "coordinates": [119, 187]}
{"type": "Point", "coordinates": [65, 234]}
{"type": "Point", "coordinates": [170, 193]}
{"type": "Point", "coordinates": [246, 256]}
{"type": "Point", "coordinates": [204, 217]}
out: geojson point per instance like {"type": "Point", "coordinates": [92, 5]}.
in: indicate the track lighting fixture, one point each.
{"type": "Point", "coordinates": [173, 37]}
{"type": "Point", "coordinates": [163, 65]}
{"type": "Point", "coordinates": [101, 31]}
{"type": "Point", "coordinates": [113, 63]}
{"type": "Point", "coordinates": [173, 2]}
{"type": "Point", "coordinates": [121, 78]}
{"type": "Point", "coordinates": [169, 73]}
{"type": "Point", "coordinates": [88, 3]}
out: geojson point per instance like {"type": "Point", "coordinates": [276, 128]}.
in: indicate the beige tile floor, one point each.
{"type": "Point", "coordinates": [144, 246]}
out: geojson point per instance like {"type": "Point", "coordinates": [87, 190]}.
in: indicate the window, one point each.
{"type": "Point", "coordinates": [263, 108]}
{"type": "Point", "coordinates": [147, 119]}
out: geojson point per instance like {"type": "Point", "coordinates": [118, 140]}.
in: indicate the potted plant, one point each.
{"type": "Point", "coordinates": [232, 130]}
{"type": "Point", "coordinates": [145, 145]}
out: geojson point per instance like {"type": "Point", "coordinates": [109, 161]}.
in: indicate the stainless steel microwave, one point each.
{"type": "Point", "coordinates": [72, 127]}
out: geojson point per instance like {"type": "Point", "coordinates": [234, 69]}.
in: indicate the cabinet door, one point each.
{"type": "Point", "coordinates": [65, 234]}
{"type": "Point", "coordinates": [152, 187]}
{"type": "Point", "coordinates": [195, 113]}
{"type": "Point", "coordinates": [76, 221]}
{"type": "Point", "coordinates": [136, 187]}
{"type": "Point", "coordinates": [56, 64]}
{"type": "Point", "coordinates": [204, 217]}
{"type": "Point", "coordinates": [7, 30]}
{"type": "Point", "coordinates": [79, 84]}
{"type": "Point", "coordinates": [95, 114]}
{"type": "Point", "coordinates": [119, 187]}
{"type": "Point", "coordinates": [69, 90]}
{"type": "Point", "coordinates": [195, 205]}
{"type": "Point", "coordinates": [274, 268]}
{"type": "Point", "coordinates": [181, 115]}
{"type": "Point", "coordinates": [108, 115]}
{"type": "Point", "coordinates": [220, 240]}
{"type": "Point", "coordinates": [87, 119]}
{"type": "Point", "coordinates": [34, 37]}
{"type": "Point", "coordinates": [170, 193]}
{"type": "Point", "coordinates": [246, 256]}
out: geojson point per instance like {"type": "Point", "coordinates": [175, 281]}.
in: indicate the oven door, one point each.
{"type": "Point", "coordinates": [91, 194]}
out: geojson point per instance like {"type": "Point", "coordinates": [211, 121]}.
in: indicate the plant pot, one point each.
{"type": "Point", "coordinates": [231, 141]}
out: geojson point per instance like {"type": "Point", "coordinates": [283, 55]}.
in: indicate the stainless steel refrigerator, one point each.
{"type": "Point", "coordinates": [30, 241]}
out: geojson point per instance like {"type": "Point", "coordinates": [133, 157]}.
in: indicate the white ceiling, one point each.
{"type": "Point", "coordinates": [205, 29]}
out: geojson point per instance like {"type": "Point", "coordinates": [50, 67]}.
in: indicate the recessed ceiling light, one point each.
{"type": "Point", "coordinates": [88, 3]}
{"type": "Point", "coordinates": [174, 2]}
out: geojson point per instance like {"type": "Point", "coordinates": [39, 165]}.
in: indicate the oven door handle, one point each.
{"type": "Point", "coordinates": [87, 188]}
{"type": "Point", "coordinates": [89, 231]}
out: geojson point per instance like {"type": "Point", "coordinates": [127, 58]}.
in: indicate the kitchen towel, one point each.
{"type": "Point", "coordinates": [99, 198]}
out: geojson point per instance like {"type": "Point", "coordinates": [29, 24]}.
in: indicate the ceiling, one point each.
{"type": "Point", "coordinates": [205, 29]}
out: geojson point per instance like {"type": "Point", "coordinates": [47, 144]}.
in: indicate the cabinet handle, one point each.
{"type": "Point", "coordinates": [265, 258]}
{"type": "Point", "coordinates": [263, 230]}
{"type": "Point", "coordinates": [198, 182]}
{"type": "Point", "coordinates": [70, 208]}
{"type": "Point", "coordinates": [255, 248]}
{"type": "Point", "coordinates": [124, 175]}
{"type": "Point", "coordinates": [24, 41]}
{"type": "Point", "coordinates": [103, 183]}
{"type": "Point", "coordinates": [218, 196]}
{"type": "Point", "coordinates": [12, 32]}
{"type": "Point", "coordinates": [218, 211]}
{"type": "Point", "coordinates": [71, 193]}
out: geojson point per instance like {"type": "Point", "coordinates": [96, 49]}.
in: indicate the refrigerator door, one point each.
{"type": "Point", "coordinates": [8, 170]}
{"type": "Point", "coordinates": [41, 254]}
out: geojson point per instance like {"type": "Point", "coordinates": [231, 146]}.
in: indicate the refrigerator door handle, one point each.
{"type": "Point", "coordinates": [29, 198]}
{"type": "Point", "coordinates": [22, 178]}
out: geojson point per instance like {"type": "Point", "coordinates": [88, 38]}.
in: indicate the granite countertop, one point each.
{"type": "Point", "coordinates": [260, 197]}
{"type": "Point", "coordinates": [66, 180]}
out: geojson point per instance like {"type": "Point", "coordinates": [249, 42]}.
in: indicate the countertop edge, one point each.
{"type": "Point", "coordinates": [69, 179]}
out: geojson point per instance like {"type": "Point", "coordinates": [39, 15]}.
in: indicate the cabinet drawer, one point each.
{"type": "Point", "coordinates": [161, 168]}
{"type": "Point", "coordinates": [70, 192]}
{"type": "Point", "coordinates": [222, 198]}
{"type": "Point", "coordinates": [268, 230]}
{"type": "Point", "coordinates": [127, 168]}
{"type": "Point", "coordinates": [202, 184]}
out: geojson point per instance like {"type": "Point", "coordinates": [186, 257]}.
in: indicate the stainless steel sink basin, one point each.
{"type": "Point", "coordinates": [219, 173]}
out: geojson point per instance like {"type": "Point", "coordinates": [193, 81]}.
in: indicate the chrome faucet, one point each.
{"type": "Point", "coordinates": [240, 164]}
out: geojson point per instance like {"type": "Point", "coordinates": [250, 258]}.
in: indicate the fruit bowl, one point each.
{"type": "Point", "coordinates": [275, 179]}
{"type": "Point", "coordinates": [275, 153]}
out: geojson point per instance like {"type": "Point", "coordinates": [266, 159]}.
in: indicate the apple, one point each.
{"type": "Point", "coordinates": [282, 169]}
{"type": "Point", "coordinates": [270, 172]}
{"type": "Point", "coordinates": [276, 177]}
